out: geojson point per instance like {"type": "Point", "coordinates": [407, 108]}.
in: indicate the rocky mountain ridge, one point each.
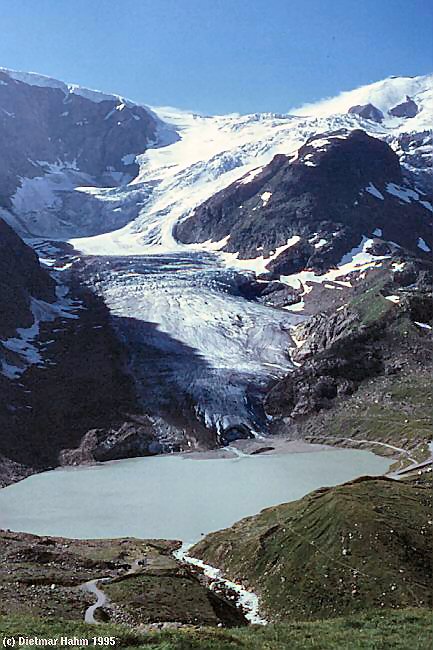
{"type": "Point", "coordinates": [56, 137]}
{"type": "Point", "coordinates": [316, 206]}
{"type": "Point", "coordinates": [195, 157]}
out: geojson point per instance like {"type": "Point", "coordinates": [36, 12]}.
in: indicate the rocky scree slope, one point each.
{"type": "Point", "coordinates": [316, 205]}
{"type": "Point", "coordinates": [362, 545]}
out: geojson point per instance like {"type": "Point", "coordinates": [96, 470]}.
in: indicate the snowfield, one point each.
{"type": "Point", "coordinates": [194, 157]}
{"type": "Point", "coordinates": [213, 152]}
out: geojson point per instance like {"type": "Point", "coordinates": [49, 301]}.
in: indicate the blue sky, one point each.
{"type": "Point", "coordinates": [219, 56]}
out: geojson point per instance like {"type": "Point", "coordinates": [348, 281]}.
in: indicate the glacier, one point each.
{"type": "Point", "coordinates": [198, 349]}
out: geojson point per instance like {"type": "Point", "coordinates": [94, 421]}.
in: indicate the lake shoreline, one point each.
{"type": "Point", "coordinates": [269, 445]}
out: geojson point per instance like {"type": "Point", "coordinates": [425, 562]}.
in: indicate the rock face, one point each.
{"type": "Point", "coordinates": [318, 206]}
{"type": "Point", "coordinates": [21, 277]}
{"type": "Point", "coordinates": [273, 294]}
{"type": "Point", "coordinates": [48, 125]}
{"type": "Point", "coordinates": [56, 137]}
{"type": "Point", "coordinates": [326, 377]}
{"type": "Point", "coordinates": [367, 112]}
{"type": "Point", "coordinates": [408, 108]}
{"type": "Point", "coordinates": [129, 440]}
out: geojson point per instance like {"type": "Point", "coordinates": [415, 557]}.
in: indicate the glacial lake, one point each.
{"type": "Point", "coordinates": [172, 497]}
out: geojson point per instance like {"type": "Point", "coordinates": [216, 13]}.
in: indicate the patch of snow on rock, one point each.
{"type": "Point", "coordinates": [319, 143]}
{"type": "Point", "coordinates": [250, 176]}
{"type": "Point", "coordinates": [371, 189]}
{"type": "Point", "coordinates": [265, 197]}
{"type": "Point", "coordinates": [403, 193]}
{"type": "Point", "coordinates": [128, 159]}
{"type": "Point", "coordinates": [427, 205]}
{"type": "Point", "coordinates": [358, 259]}
{"type": "Point", "coordinates": [425, 326]}
{"type": "Point", "coordinates": [257, 264]}
{"type": "Point", "coordinates": [422, 245]}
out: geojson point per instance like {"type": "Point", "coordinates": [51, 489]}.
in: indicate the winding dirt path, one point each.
{"type": "Point", "coordinates": [91, 587]}
{"type": "Point", "coordinates": [369, 442]}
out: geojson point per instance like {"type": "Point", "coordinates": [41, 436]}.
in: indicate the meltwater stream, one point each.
{"type": "Point", "coordinates": [171, 497]}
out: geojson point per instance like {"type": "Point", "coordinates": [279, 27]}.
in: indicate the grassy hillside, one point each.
{"type": "Point", "coordinates": [365, 544]}
{"type": "Point", "coordinates": [396, 410]}
{"type": "Point", "coordinates": [387, 629]}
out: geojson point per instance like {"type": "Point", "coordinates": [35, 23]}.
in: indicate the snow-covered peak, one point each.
{"type": "Point", "coordinates": [384, 95]}
{"type": "Point", "coordinates": [187, 157]}
{"type": "Point", "coordinates": [34, 79]}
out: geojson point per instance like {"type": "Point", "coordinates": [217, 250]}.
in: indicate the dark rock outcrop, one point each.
{"type": "Point", "coordinates": [367, 112]}
{"type": "Point", "coordinates": [369, 336]}
{"type": "Point", "coordinates": [79, 385]}
{"type": "Point", "coordinates": [21, 277]}
{"type": "Point", "coordinates": [323, 330]}
{"type": "Point", "coordinates": [408, 108]}
{"type": "Point", "coordinates": [322, 378]}
{"type": "Point", "coordinates": [129, 440]}
{"type": "Point", "coordinates": [339, 188]}
{"type": "Point", "coordinates": [272, 293]}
